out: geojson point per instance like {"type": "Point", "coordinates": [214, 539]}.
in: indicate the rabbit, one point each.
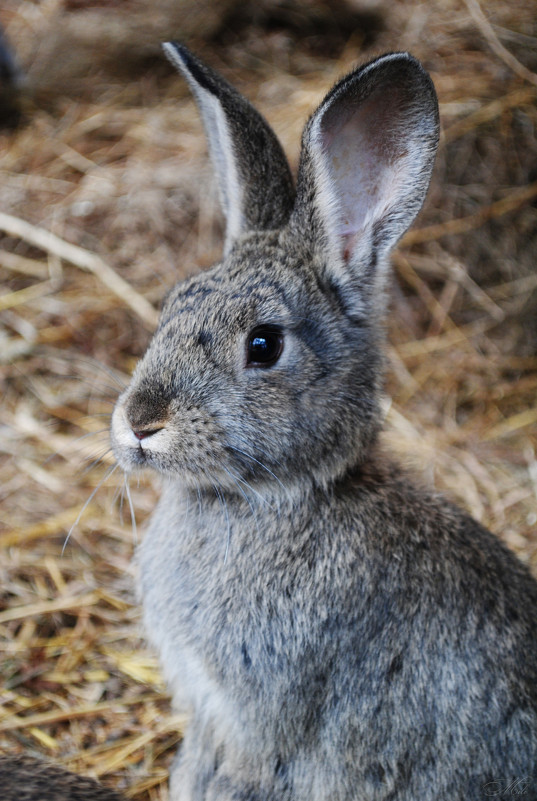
{"type": "Point", "coordinates": [334, 630]}
{"type": "Point", "coordinates": [23, 778]}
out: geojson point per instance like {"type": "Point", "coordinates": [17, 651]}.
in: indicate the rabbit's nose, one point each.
{"type": "Point", "coordinates": [147, 432]}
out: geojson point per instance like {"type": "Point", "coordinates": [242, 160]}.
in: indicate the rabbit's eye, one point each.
{"type": "Point", "coordinates": [265, 346]}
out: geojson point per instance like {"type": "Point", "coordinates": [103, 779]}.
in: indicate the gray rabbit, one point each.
{"type": "Point", "coordinates": [23, 778]}
{"type": "Point", "coordinates": [337, 632]}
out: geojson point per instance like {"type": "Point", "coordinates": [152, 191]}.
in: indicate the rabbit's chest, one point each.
{"type": "Point", "coordinates": [227, 619]}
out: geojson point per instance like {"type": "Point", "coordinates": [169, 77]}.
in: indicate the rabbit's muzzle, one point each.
{"type": "Point", "coordinates": [176, 439]}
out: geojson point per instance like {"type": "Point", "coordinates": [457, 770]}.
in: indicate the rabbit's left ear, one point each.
{"type": "Point", "coordinates": [366, 161]}
{"type": "Point", "coordinates": [254, 179]}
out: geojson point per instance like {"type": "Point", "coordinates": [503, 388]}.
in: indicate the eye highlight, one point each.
{"type": "Point", "coordinates": [264, 346]}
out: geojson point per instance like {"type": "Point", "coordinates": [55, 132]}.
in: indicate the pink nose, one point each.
{"type": "Point", "coordinates": [143, 434]}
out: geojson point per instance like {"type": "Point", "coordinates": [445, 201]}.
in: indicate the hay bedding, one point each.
{"type": "Point", "coordinates": [119, 170]}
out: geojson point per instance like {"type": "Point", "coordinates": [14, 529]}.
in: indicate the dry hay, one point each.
{"type": "Point", "coordinates": [121, 173]}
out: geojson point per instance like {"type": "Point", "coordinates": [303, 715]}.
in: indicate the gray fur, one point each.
{"type": "Point", "coordinates": [256, 188]}
{"type": "Point", "coordinates": [23, 778]}
{"type": "Point", "coordinates": [336, 632]}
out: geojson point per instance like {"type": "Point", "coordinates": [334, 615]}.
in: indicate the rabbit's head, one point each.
{"type": "Point", "coordinates": [267, 368]}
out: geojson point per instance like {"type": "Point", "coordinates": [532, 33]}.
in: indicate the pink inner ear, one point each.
{"type": "Point", "coordinates": [365, 148]}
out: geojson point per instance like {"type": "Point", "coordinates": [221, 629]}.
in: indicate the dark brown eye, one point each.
{"type": "Point", "coordinates": [264, 347]}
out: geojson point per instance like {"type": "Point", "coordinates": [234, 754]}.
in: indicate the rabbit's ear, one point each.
{"type": "Point", "coordinates": [367, 156]}
{"type": "Point", "coordinates": [256, 188]}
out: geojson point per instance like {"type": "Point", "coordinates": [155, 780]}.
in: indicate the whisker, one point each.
{"type": "Point", "coordinates": [241, 439]}
{"type": "Point", "coordinates": [99, 433]}
{"type": "Point", "coordinates": [113, 375]}
{"type": "Point", "coordinates": [131, 507]}
{"type": "Point", "coordinates": [244, 495]}
{"type": "Point", "coordinates": [96, 387]}
{"type": "Point", "coordinates": [223, 503]}
{"type": "Point", "coordinates": [123, 493]}
{"type": "Point", "coordinates": [247, 484]}
{"type": "Point", "coordinates": [119, 494]}
{"type": "Point", "coordinates": [97, 460]}
{"type": "Point", "coordinates": [74, 442]}
{"type": "Point", "coordinates": [79, 515]}
{"type": "Point", "coordinates": [93, 364]}
{"type": "Point", "coordinates": [248, 456]}
{"type": "Point", "coordinates": [107, 401]}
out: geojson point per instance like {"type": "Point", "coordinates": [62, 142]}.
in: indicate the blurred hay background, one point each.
{"type": "Point", "coordinates": [109, 157]}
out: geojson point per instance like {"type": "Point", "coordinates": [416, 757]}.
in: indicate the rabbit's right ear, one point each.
{"type": "Point", "coordinates": [256, 187]}
{"type": "Point", "coordinates": [366, 161]}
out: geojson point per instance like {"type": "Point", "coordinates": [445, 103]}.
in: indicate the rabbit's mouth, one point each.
{"type": "Point", "coordinates": [185, 448]}
{"type": "Point", "coordinates": [131, 447]}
